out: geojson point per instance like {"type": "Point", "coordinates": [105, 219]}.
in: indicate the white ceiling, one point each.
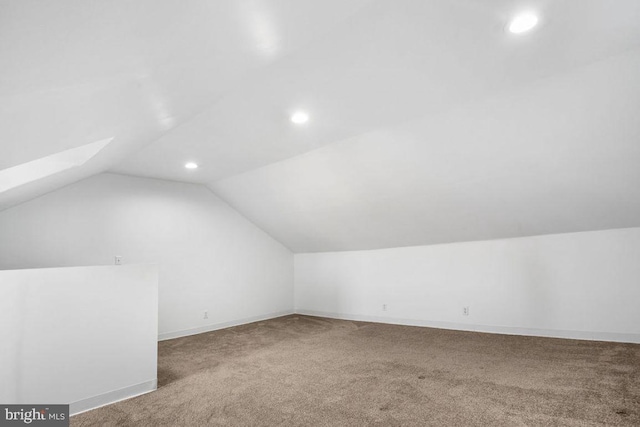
{"type": "Point", "coordinates": [429, 123]}
{"type": "Point", "coordinates": [560, 155]}
{"type": "Point", "coordinates": [75, 71]}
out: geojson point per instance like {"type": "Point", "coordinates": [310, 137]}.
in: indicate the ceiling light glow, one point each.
{"type": "Point", "coordinates": [300, 117]}
{"type": "Point", "coordinates": [191, 165]}
{"type": "Point", "coordinates": [523, 23]}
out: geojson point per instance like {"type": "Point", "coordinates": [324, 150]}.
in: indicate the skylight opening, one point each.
{"type": "Point", "coordinates": [35, 170]}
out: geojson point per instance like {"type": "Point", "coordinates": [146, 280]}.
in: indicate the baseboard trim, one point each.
{"type": "Point", "coordinates": [222, 325]}
{"type": "Point", "coordinates": [110, 397]}
{"type": "Point", "coordinates": [146, 387]}
{"type": "Point", "coordinates": [506, 330]}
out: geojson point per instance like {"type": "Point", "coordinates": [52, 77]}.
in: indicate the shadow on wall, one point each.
{"type": "Point", "coordinates": [539, 308]}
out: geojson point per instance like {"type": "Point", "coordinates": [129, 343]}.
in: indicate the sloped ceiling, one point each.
{"type": "Point", "coordinates": [75, 71]}
{"type": "Point", "coordinates": [558, 156]}
{"type": "Point", "coordinates": [429, 122]}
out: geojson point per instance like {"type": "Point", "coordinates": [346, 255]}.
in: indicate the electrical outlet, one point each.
{"type": "Point", "coordinates": [206, 315]}
{"type": "Point", "coordinates": [118, 259]}
{"type": "Point", "coordinates": [465, 311]}
{"type": "Point", "coordinates": [384, 307]}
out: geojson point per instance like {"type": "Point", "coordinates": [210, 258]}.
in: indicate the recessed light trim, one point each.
{"type": "Point", "coordinates": [299, 117]}
{"type": "Point", "coordinates": [191, 165]}
{"type": "Point", "coordinates": [523, 23]}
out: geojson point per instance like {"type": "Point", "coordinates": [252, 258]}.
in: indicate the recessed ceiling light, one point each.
{"type": "Point", "coordinates": [523, 23]}
{"type": "Point", "coordinates": [300, 117]}
{"type": "Point", "coordinates": [191, 165]}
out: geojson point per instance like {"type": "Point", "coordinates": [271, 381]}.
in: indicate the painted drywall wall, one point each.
{"type": "Point", "coordinates": [578, 285]}
{"type": "Point", "coordinates": [210, 257]}
{"type": "Point", "coordinates": [83, 336]}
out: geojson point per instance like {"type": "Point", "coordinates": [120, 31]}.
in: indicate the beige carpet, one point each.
{"type": "Point", "coordinates": [310, 371]}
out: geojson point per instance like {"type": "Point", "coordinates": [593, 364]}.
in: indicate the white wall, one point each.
{"type": "Point", "coordinates": [580, 285]}
{"type": "Point", "coordinates": [83, 336]}
{"type": "Point", "coordinates": [209, 256]}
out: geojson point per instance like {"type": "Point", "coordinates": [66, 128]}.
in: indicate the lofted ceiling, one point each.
{"type": "Point", "coordinates": [429, 123]}
{"type": "Point", "coordinates": [78, 71]}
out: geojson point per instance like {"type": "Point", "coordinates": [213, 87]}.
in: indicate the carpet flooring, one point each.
{"type": "Point", "coordinates": [309, 371]}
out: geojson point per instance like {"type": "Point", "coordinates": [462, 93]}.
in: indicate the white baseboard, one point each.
{"type": "Point", "coordinates": [110, 397]}
{"type": "Point", "coordinates": [215, 326]}
{"type": "Point", "coordinates": [506, 330]}
{"type": "Point", "coordinates": [146, 387]}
